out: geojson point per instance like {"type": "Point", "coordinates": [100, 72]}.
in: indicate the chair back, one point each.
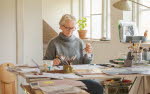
{"type": "Point", "coordinates": [7, 80]}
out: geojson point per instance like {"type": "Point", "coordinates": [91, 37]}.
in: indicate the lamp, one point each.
{"type": "Point", "coordinates": [124, 5]}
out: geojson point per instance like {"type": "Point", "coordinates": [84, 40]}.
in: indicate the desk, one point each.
{"type": "Point", "coordinates": [29, 90]}
{"type": "Point", "coordinates": [98, 74]}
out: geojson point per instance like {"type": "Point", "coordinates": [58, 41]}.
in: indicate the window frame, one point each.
{"type": "Point", "coordinates": [105, 18]}
{"type": "Point", "coordinates": [136, 12]}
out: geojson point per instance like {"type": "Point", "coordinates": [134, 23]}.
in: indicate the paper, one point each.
{"type": "Point", "coordinates": [53, 75]}
{"type": "Point", "coordinates": [70, 75]}
{"type": "Point", "coordinates": [61, 82]}
{"type": "Point", "coordinates": [93, 76]}
{"type": "Point", "coordinates": [86, 66]}
{"type": "Point", "coordinates": [26, 70]}
{"type": "Point", "coordinates": [44, 75]}
{"type": "Point", "coordinates": [129, 70]}
{"type": "Point", "coordinates": [61, 89]}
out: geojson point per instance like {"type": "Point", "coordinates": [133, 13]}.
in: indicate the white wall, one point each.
{"type": "Point", "coordinates": [7, 31]}
{"type": "Point", "coordinates": [32, 18]}
{"type": "Point", "coordinates": [53, 11]}
{"type": "Point", "coordinates": [30, 44]}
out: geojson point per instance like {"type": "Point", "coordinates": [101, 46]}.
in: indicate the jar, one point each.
{"type": "Point", "coordinates": [67, 69]}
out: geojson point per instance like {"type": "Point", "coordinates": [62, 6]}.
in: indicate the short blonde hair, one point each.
{"type": "Point", "coordinates": [66, 17]}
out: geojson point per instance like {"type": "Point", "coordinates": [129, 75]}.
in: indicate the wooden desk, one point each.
{"type": "Point", "coordinates": [29, 90]}
{"type": "Point", "coordinates": [101, 76]}
{"type": "Point", "coordinates": [98, 75]}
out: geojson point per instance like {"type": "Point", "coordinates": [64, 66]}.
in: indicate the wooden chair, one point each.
{"type": "Point", "coordinates": [7, 80]}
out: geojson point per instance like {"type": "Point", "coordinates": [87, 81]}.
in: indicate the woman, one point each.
{"type": "Point", "coordinates": [67, 44]}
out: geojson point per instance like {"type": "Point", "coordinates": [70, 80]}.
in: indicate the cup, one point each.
{"type": "Point", "coordinates": [137, 57]}
{"type": "Point", "coordinates": [48, 64]}
{"type": "Point", "coordinates": [67, 68]}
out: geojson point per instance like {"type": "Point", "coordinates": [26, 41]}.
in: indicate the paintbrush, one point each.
{"type": "Point", "coordinates": [35, 63]}
{"type": "Point", "coordinates": [62, 59]}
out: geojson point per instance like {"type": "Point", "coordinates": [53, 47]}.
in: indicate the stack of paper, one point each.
{"type": "Point", "coordinates": [125, 71]}
{"type": "Point", "coordinates": [61, 82]}
{"type": "Point", "coordinates": [53, 75]}
{"type": "Point", "coordinates": [60, 89]}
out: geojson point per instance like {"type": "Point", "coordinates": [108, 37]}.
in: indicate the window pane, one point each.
{"type": "Point", "coordinates": [145, 2]}
{"type": "Point", "coordinates": [96, 6]}
{"type": "Point", "coordinates": [96, 26]}
{"type": "Point", "coordinates": [145, 22]}
{"type": "Point", "coordinates": [86, 11]}
{"type": "Point", "coordinates": [127, 15]}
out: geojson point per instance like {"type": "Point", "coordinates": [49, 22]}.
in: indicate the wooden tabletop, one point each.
{"type": "Point", "coordinates": [28, 90]}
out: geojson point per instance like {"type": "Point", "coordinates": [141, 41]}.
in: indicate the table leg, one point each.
{"type": "Point", "coordinates": [139, 85]}
{"type": "Point", "coordinates": [133, 83]}
{"type": "Point", "coordinates": [143, 85]}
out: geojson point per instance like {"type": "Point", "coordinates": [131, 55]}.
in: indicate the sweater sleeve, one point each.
{"type": "Point", "coordinates": [50, 52]}
{"type": "Point", "coordinates": [87, 58]}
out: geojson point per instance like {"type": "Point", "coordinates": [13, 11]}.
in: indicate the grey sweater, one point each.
{"type": "Point", "coordinates": [67, 46]}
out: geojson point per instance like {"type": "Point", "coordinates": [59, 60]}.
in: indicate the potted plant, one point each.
{"type": "Point", "coordinates": [82, 23]}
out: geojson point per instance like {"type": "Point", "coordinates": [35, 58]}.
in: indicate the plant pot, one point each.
{"type": "Point", "coordinates": [82, 33]}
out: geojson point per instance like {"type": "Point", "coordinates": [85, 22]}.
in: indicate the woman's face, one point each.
{"type": "Point", "coordinates": [68, 28]}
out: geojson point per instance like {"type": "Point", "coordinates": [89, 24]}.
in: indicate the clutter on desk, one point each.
{"type": "Point", "coordinates": [66, 62]}
{"type": "Point", "coordinates": [137, 54]}
{"type": "Point", "coordinates": [61, 82]}
{"type": "Point", "coordinates": [117, 61]}
{"type": "Point", "coordinates": [128, 70]}
{"type": "Point", "coordinates": [34, 85]}
{"type": "Point", "coordinates": [53, 75]}
{"type": "Point", "coordinates": [116, 86]}
{"type": "Point", "coordinates": [61, 89]}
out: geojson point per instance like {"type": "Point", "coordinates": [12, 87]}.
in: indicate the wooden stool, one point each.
{"type": "Point", "coordinates": [7, 80]}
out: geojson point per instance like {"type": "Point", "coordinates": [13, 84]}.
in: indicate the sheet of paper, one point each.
{"type": "Point", "coordinates": [128, 70]}
{"type": "Point", "coordinates": [60, 89]}
{"type": "Point", "coordinates": [70, 75]}
{"type": "Point", "coordinates": [61, 82]}
{"type": "Point", "coordinates": [53, 75]}
{"type": "Point", "coordinates": [76, 67]}
{"type": "Point", "coordinates": [48, 75]}
{"type": "Point", "coordinates": [86, 66]}
{"type": "Point", "coordinates": [26, 70]}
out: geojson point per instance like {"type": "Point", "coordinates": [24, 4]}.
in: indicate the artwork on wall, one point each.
{"type": "Point", "coordinates": [127, 28]}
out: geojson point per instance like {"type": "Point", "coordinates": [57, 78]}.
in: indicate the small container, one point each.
{"type": "Point", "coordinates": [49, 65]}
{"type": "Point", "coordinates": [137, 57]}
{"type": "Point", "coordinates": [67, 69]}
{"type": "Point", "coordinates": [147, 55]}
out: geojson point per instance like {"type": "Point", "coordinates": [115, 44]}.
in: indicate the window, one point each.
{"type": "Point", "coordinates": [140, 15]}
{"type": "Point", "coordinates": [144, 18]}
{"type": "Point", "coordinates": [97, 13]}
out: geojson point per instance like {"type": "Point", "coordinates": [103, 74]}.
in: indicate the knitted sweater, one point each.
{"type": "Point", "coordinates": [67, 46]}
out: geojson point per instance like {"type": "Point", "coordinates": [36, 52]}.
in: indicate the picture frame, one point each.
{"type": "Point", "coordinates": [127, 28]}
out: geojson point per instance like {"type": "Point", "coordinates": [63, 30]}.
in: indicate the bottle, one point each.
{"type": "Point", "coordinates": [145, 33]}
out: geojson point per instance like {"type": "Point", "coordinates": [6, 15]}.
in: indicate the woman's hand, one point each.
{"type": "Point", "coordinates": [56, 61]}
{"type": "Point", "coordinates": [88, 48]}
